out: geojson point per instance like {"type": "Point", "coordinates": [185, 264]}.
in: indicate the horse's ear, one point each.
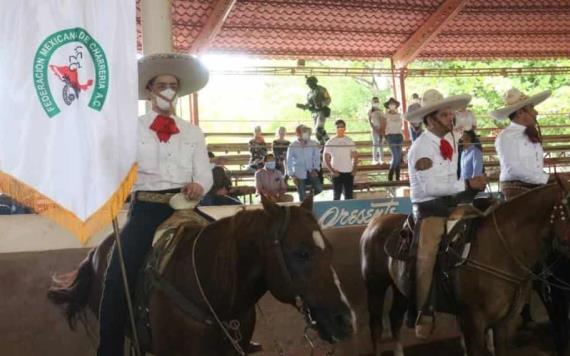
{"type": "Point", "coordinates": [269, 206]}
{"type": "Point", "coordinates": [307, 203]}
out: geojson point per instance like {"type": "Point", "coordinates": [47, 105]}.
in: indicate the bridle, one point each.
{"type": "Point", "coordinates": [276, 246]}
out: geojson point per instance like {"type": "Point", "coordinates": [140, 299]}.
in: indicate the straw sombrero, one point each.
{"type": "Point", "coordinates": [515, 100]}
{"type": "Point", "coordinates": [189, 70]}
{"type": "Point", "coordinates": [433, 100]}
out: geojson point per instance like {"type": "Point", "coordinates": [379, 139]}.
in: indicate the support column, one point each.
{"type": "Point", "coordinates": [404, 102]}
{"type": "Point", "coordinates": [399, 90]}
{"type": "Point", "coordinates": [156, 26]}
{"type": "Point", "coordinates": [194, 112]}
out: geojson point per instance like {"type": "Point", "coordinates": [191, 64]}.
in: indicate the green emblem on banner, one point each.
{"type": "Point", "coordinates": [72, 86]}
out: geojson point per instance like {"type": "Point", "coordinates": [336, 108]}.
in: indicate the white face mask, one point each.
{"type": "Point", "coordinates": [305, 136]}
{"type": "Point", "coordinates": [166, 105]}
{"type": "Point", "coordinates": [392, 107]}
{"type": "Point", "coordinates": [375, 105]}
{"type": "Point", "coordinates": [212, 165]}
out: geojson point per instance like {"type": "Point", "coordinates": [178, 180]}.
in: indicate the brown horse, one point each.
{"type": "Point", "coordinates": [234, 261]}
{"type": "Point", "coordinates": [492, 284]}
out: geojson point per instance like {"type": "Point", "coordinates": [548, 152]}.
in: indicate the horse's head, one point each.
{"type": "Point", "coordinates": [560, 218]}
{"type": "Point", "coordinates": [298, 263]}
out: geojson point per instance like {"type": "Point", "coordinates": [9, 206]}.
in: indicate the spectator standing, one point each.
{"type": "Point", "coordinates": [341, 159]}
{"type": "Point", "coordinates": [280, 146]}
{"type": "Point", "coordinates": [304, 162]}
{"type": "Point", "coordinates": [377, 123]}
{"type": "Point", "coordinates": [394, 136]}
{"type": "Point", "coordinates": [471, 156]}
{"type": "Point", "coordinates": [269, 181]}
{"type": "Point", "coordinates": [257, 149]}
{"type": "Point", "coordinates": [416, 129]}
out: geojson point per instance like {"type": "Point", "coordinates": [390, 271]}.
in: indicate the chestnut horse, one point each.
{"type": "Point", "coordinates": [491, 286]}
{"type": "Point", "coordinates": [234, 262]}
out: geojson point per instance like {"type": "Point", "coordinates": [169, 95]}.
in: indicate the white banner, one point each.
{"type": "Point", "coordinates": [68, 108]}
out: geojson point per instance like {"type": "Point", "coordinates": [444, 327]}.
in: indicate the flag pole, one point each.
{"type": "Point", "coordinates": [126, 285]}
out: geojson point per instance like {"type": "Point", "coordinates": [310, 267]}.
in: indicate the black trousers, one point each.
{"type": "Point", "coordinates": [343, 183]}
{"type": "Point", "coordinates": [136, 240]}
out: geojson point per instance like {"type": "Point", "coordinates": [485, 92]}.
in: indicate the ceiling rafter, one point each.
{"type": "Point", "coordinates": [213, 25]}
{"type": "Point", "coordinates": [427, 32]}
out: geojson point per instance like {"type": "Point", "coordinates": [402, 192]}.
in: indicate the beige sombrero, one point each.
{"type": "Point", "coordinates": [433, 100]}
{"type": "Point", "coordinates": [515, 99]}
{"type": "Point", "coordinates": [189, 70]}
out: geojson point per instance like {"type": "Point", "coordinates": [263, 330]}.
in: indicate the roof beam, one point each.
{"type": "Point", "coordinates": [213, 25]}
{"type": "Point", "coordinates": [427, 32]}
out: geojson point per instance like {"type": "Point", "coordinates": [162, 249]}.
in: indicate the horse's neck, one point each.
{"type": "Point", "coordinates": [524, 223]}
{"type": "Point", "coordinates": [244, 266]}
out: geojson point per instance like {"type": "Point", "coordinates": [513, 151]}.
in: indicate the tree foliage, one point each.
{"type": "Point", "coordinates": [237, 103]}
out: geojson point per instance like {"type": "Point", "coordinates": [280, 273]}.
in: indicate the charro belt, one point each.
{"type": "Point", "coordinates": [154, 197]}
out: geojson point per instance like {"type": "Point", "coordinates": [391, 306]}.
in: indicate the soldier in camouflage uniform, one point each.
{"type": "Point", "coordinates": [318, 101]}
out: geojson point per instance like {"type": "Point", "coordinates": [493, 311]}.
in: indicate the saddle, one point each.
{"type": "Point", "coordinates": [401, 246]}
{"type": "Point", "coordinates": [183, 223]}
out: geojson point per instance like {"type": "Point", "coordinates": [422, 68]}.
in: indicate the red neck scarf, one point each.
{"type": "Point", "coordinates": [533, 134]}
{"type": "Point", "coordinates": [164, 126]}
{"type": "Point", "coordinates": [445, 149]}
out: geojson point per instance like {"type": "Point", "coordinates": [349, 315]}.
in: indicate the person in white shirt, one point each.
{"type": "Point", "coordinates": [341, 159]}
{"type": "Point", "coordinates": [519, 146]}
{"type": "Point", "coordinates": [377, 123]}
{"type": "Point", "coordinates": [464, 121]}
{"type": "Point", "coordinates": [394, 136]}
{"type": "Point", "coordinates": [432, 166]}
{"type": "Point", "coordinates": [172, 157]}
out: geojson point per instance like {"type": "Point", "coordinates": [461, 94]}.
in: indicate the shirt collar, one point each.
{"type": "Point", "coordinates": [433, 137]}
{"type": "Point", "coordinates": [517, 127]}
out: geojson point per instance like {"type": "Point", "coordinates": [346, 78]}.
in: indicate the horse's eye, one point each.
{"type": "Point", "coordinates": [302, 255]}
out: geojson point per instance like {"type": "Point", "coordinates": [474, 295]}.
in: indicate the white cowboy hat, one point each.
{"type": "Point", "coordinates": [180, 202]}
{"type": "Point", "coordinates": [515, 99]}
{"type": "Point", "coordinates": [433, 100]}
{"type": "Point", "coordinates": [191, 73]}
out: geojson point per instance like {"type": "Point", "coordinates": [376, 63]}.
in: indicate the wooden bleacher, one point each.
{"type": "Point", "coordinates": [236, 156]}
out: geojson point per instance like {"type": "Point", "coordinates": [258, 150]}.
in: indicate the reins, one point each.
{"type": "Point", "coordinates": [509, 277]}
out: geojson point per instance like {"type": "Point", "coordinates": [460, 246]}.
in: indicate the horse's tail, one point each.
{"type": "Point", "coordinates": [71, 291]}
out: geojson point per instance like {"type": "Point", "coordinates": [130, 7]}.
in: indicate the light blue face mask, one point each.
{"type": "Point", "coordinates": [270, 165]}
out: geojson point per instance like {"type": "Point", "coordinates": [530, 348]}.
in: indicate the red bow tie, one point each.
{"type": "Point", "coordinates": [164, 126]}
{"type": "Point", "coordinates": [445, 149]}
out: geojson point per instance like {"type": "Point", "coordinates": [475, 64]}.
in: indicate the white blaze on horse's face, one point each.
{"type": "Point", "coordinates": [319, 239]}
{"type": "Point", "coordinates": [344, 299]}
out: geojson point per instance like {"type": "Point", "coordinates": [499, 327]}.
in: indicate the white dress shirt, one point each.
{"type": "Point", "coordinates": [520, 159]}
{"type": "Point", "coordinates": [441, 178]}
{"type": "Point", "coordinates": [173, 164]}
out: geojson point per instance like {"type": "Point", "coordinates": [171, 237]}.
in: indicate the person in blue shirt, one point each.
{"type": "Point", "coordinates": [471, 156]}
{"type": "Point", "coordinates": [304, 162]}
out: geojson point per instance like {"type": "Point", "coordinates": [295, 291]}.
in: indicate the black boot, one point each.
{"type": "Point", "coordinates": [391, 174]}
{"type": "Point", "coordinates": [398, 173]}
